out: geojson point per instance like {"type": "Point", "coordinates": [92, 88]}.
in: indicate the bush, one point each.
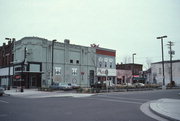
{"type": "Point", "coordinates": [79, 90]}
{"type": "Point", "coordinates": [172, 84]}
{"type": "Point", "coordinates": [45, 89]}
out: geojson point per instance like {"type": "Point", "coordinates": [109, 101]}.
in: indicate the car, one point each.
{"type": "Point", "coordinates": [65, 86]}
{"type": "Point", "coordinates": [74, 86]}
{"type": "Point", "coordinates": [1, 91]}
{"type": "Point", "coordinates": [55, 86]}
{"type": "Point", "coordinates": [139, 84]}
{"type": "Point", "coordinates": [61, 86]}
{"type": "Point", "coordinates": [129, 85]}
{"type": "Point", "coordinates": [98, 84]}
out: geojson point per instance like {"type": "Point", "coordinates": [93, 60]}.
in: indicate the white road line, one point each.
{"type": "Point", "coordinates": [124, 98]}
{"type": "Point", "coordinates": [3, 101]}
{"type": "Point", "coordinates": [113, 100]}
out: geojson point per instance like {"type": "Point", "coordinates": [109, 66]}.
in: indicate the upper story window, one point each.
{"type": "Point", "coordinates": [74, 71]}
{"type": "Point", "coordinates": [100, 64]}
{"type": "Point", "coordinates": [77, 61]}
{"type": "Point", "coordinates": [105, 64]}
{"type": "Point", "coordinates": [110, 64]}
{"type": "Point", "coordinates": [71, 61]}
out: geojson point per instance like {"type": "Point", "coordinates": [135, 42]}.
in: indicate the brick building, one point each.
{"type": "Point", "coordinates": [129, 73]}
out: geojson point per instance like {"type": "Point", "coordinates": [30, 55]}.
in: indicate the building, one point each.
{"type": "Point", "coordinates": [6, 57]}
{"type": "Point", "coordinates": [106, 65]}
{"type": "Point", "coordinates": [157, 74]}
{"type": "Point", "coordinates": [129, 73]}
{"type": "Point", "coordinates": [38, 62]}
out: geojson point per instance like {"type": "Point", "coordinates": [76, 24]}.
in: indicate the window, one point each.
{"type": "Point", "coordinates": [74, 71]}
{"type": "Point", "coordinates": [57, 70]}
{"type": "Point", "coordinates": [110, 64]}
{"type": "Point", "coordinates": [105, 64]}
{"type": "Point", "coordinates": [100, 64]}
{"type": "Point", "coordinates": [71, 61]}
{"type": "Point", "coordinates": [77, 61]}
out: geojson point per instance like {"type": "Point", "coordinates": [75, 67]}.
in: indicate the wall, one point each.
{"type": "Point", "coordinates": [40, 50]}
{"type": "Point", "coordinates": [157, 74]}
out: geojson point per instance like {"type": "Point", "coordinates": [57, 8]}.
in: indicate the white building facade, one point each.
{"type": "Point", "coordinates": [33, 66]}
{"type": "Point", "coordinates": [157, 72]}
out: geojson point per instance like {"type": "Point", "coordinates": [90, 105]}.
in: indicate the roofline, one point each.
{"type": "Point", "coordinates": [131, 64]}
{"type": "Point", "coordinates": [167, 61]}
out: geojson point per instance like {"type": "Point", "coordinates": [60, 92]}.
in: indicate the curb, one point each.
{"type": "Point", "coordinates": [145, 108]}
{"type": "Point", "coordinates": [153, 106]}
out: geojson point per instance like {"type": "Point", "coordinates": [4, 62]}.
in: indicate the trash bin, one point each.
{"type": "Point", "coordinates": [21, 90]}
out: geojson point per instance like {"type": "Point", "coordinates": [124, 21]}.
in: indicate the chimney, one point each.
{"type": "Point", "coordinates": [67, 41]}
{"type": "Point", "coordinates": [9, 42]}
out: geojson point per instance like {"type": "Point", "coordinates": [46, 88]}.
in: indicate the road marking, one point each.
{"type": "Point", "coordinates": [119, 101]}
{"type": "Point", "coordinates": [124, 98]}
{"type": "Point", "coordinates": [3, 101]}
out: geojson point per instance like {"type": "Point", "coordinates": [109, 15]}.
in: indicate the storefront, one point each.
{"type": "Point", "coordinates": [104, 74]}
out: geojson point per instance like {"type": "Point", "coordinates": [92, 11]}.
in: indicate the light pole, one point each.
{"type": "Point", "coordinates": [133, 66]}
{"type": "Point", "coordinates": [10, 58]}
{"type": "Point", "coordinates": [52, 62]}
{"type": "Point", "coordinates": [162, 57]}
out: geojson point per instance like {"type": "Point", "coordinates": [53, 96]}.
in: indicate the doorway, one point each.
{"type": "Point", "coordinates": [33, 82]}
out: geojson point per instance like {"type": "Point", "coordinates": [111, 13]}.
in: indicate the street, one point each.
{"type": "Point", "coordinates": [117, 106]}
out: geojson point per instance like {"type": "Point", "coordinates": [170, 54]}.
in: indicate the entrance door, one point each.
{"type": "Point", "coordinates": [33, 81]}
{"type": "Point", "coordinates": [91, 77]}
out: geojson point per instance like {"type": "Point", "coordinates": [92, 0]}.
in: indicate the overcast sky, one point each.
{"type": "Point", "coordinates": [127, 26]}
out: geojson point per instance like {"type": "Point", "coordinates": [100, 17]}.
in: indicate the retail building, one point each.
{"type": "Point", "coordinates": [38, 62]}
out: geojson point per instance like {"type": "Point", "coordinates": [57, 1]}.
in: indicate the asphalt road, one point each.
{"type": "Point", "coordinates": [121, 106]}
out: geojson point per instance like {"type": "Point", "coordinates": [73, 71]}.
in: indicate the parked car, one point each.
{"type": "Point", "coordinates": [129, 85]}
{"type": "Point", "coordinates": [139, 84]}
{"type": "Point", "coordinates": [55, 86]}
{"type": "Point", "coordinates": [97, 84]}
{"type": "Point", "coordinates": [74, 86]}
{"type": "Point", "coordinates": [64, 86]}
{"type": "Point", "coordinates": [61, 86]}
{"type": "Point", "coordinates": [1, 91]}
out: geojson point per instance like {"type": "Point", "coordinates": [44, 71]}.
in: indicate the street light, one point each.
{"type": "Point", "coordinates": [9, 63]}
{"type": "Point", "coordinates": [52, 62]}
{"type": "Point", "coordinates": [162, 57]}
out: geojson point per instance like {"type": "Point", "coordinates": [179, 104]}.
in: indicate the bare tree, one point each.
{"type": "Point", "coordinates": [148, 63]}
{"type": "Point", "coordinates": [127, 59]}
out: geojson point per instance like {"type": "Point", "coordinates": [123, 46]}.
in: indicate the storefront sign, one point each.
{"type": "Point", "coordinates": [102, 72]}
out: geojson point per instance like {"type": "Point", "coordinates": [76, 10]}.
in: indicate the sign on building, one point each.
{"type": "Point", "coordinates": [57, 70]}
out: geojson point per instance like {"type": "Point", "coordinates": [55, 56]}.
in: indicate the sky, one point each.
{"type": "Point", "coordinates": [127, 26]}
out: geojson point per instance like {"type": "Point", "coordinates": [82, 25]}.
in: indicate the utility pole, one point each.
{"type": "Point", "coordinates": [162, 57]}
{"type": "Point", "coordinates": [171, 52]}
{"type": "Point", "coordinates": [52, 62]}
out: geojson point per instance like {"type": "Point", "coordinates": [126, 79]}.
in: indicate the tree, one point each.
{"type": "Point", "coordinates": [127, 59]}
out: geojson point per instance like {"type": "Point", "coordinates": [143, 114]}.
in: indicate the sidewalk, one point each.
{"type": "Point", "coordinates": [34, 93]}
{"type": "Point", "coordinates": [168, 108]}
